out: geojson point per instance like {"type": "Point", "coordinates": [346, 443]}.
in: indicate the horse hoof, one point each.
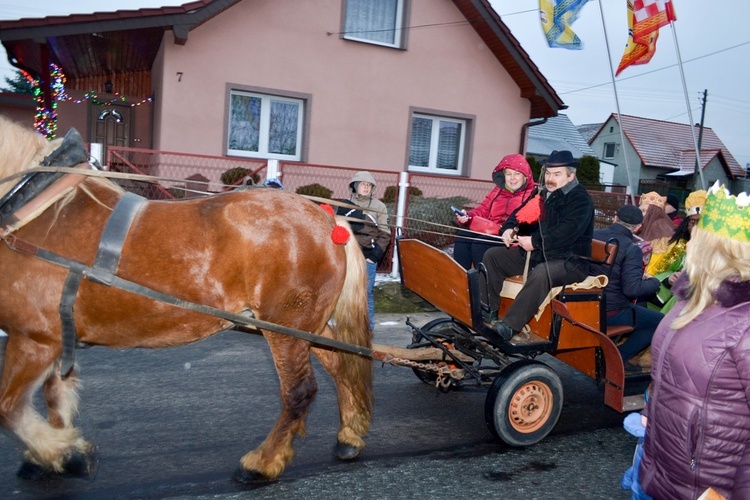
{"type": "Point", "coordinates": [31, 471]}
{"type": "Point", "coordinates": [243, 476]}
{"type": "Point", "coordinates": [345, 451]}
{"type": "Point", "coordinates": [83, 465]}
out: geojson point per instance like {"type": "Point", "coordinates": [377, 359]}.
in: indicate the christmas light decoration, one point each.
{"type": "Point", "coordinates": [45, 119]}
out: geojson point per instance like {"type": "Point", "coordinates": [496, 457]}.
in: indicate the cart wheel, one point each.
{"type": "Point", "coordinates": [524, 403]}
{"type": "Point", "coordinates": [440, 329]}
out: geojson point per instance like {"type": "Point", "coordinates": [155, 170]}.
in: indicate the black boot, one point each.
{"type": "Point", "coordinates": [490, 317]}
{"type": "Point", "coordinates": [502, 329]}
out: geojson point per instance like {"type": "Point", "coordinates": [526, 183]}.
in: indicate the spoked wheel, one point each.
{"type": "Point", "coordinates": [524, 403]}
{"type": "Point", "coordinates": [441, 330]}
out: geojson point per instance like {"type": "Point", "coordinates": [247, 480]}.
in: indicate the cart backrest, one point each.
{"type": "Point", "coordinates": [436, 277]}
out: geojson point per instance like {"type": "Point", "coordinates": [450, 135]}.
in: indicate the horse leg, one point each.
{"type": "Point", "coordinates": [61, 396]}
{"type": "Point", "coordinates": [354, 402]}
{"type": "Point", "coordinates": [298, 389]}
{"type": "Point", "coordinates": [29, 364]}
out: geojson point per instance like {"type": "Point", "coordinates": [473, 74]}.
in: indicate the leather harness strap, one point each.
{"type": "Point", "coordinates": [238, 319]}
{"type": "Point", "coordinates": [103, 271]}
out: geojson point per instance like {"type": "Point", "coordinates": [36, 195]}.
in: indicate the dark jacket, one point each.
{"type": "Point", "coordinates": [566, 227]}
{"type": "Point", "coordinates": [626, 281]}
{"type": "Point", "coordinates": [698, 431]}
{"type": "Point", "coordinates": [372, 239]}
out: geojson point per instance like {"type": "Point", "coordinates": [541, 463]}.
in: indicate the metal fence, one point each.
{"type": "Point", "coordinates": [424, 211]}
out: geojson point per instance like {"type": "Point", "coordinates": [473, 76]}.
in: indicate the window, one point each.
{"type": "Point", "coordinates": [374, 21]}
{"type": "Point", "coordinates": [609, 150]}
{"type": "Point", "coordinates": [264, 126]}
{"type": "Point", "coordinates": [437, 144]}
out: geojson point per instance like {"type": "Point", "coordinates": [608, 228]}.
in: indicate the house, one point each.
{"type": "Point", "coordinates": [438, 86]}
{"type": "Point", "coordinates": [558, 133]}
{"type": "Point", "coordinates": [661, 155]}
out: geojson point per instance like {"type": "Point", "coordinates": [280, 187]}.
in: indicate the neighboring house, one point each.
{"type": "Point", "coordinates": [664, 152]}
{"type": "Point", "coordinates": [428, 86]}
{"type": "Point", "coordinates": [559, 133]}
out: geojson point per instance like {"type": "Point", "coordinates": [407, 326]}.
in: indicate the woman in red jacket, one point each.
{"type": "Point", "coordinates": [514, 183]}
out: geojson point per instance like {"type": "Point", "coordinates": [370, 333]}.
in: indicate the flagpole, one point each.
{"type": "Point", "coordinates": [617, 103]}
{"type": "Point", "coordinates": [687, 103]}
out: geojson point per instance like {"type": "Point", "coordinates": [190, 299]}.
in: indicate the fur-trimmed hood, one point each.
{"type": "Point", "coordinates": [731, 292]}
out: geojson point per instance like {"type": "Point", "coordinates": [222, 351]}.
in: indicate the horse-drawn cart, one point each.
{"type": "Point", "coordinates": [525, 395]}
{"type": "Point", "coordinates": [78, 270]}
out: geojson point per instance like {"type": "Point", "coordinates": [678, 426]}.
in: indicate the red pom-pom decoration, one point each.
{"type": "Point", "coordinates": [327, 209]}
{"type": "Point", "coordinates": [339, 235]}
{"type": "Point", "coordinates": [530, 212]}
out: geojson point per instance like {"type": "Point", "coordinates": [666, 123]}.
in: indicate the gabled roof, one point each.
{"type": "Point", "coordinates": [102, 43]}
{"type": "Point", "coordinates": [555, 134]}
{"type": "Point", "coordinates": [670, 145]}
{"type": "Point", "coordinates": [588, 130]}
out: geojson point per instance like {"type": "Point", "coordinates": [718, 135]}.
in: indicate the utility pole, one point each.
{"type": "Point", "coordinates": [696, 175]}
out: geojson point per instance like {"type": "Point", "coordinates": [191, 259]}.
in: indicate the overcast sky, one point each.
{"type": "Point", "coordinates": [712, 37]}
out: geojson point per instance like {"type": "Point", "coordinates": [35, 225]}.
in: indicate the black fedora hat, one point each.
{"type": "Point", "coordinates": [561, 159]}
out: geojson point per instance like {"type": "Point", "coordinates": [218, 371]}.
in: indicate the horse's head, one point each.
{"type": "Point", "coordinates": [21, 148]}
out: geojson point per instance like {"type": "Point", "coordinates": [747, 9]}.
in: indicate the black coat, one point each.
{"type": "Point", "coordinates": [626, 281]}
{"type": "Point", "coordinates": [565, 229]}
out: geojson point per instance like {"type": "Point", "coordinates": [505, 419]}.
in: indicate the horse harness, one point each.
{"type": "Point", "coordinates": [104, 272]}
{"type": "Point", "coordinates": [39, 190]}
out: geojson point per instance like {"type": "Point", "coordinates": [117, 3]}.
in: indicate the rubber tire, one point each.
{"type": "Point", "coordinates": [435, 327]}
{"type": "Point", "coordinates": [524, 382]}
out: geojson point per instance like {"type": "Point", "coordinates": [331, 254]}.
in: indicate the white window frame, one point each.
{"type": "Point", "coordinates": [357, 35]}
{"type": "Point", "coordinates": [607, 145]}
{"type": "Point", "coordinates": [434, 138]}
{"type": "Point", "coordinates": [264, 131]}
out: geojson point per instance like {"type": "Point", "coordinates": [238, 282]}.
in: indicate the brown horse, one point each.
{"type": "Point", "coordinates": [263, 252]}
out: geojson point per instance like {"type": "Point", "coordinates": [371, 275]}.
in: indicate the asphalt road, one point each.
{"type": "Point", "coordinates": [173, 423]}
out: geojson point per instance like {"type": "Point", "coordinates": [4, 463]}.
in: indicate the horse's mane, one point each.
{"type": "Point", "coordinates": [21, 148]}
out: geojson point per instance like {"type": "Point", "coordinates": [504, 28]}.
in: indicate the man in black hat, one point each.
{"type": "Point", "coordinates": [627, 283]}
{"type": "Point", "coordinates": [561, 234]}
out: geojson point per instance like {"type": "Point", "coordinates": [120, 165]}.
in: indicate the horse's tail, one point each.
{"type": "Point", "coordinates": [352, 324]}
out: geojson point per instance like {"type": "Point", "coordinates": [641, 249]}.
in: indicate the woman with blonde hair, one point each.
{"type": "Point", "coordinates": [698, 413]}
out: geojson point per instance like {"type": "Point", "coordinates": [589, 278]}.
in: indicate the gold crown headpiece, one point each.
{"type": "Point", "coordinates": [726, 215]}
{"type": "Point", "coordinates": [653, 198]}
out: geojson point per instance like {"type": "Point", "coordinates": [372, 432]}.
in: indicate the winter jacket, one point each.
{"type": "Point", "coordinates": [373, 234]}
{"type": "Point", "coordinates": [500, 202]}
{"type": "Point", "coordinates": [698, 431]}
{"type": "Point", "coordinates": [566, 227]}
{"type": "Point", "coordinates": [626, 281]}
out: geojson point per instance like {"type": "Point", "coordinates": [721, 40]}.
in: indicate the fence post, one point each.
{"type": "Point", "coordinates": [403, 190]}
{"type": "Point", "coordinates": [272, 170]}
{"type": "Point", "coordinates": [97, 153]}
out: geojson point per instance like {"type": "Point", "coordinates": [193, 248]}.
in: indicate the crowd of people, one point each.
{"type": "Point", "coordinates": [681, 280]}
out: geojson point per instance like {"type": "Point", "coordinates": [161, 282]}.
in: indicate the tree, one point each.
{"type": "Point", "coordinates": [588, 172]}
{"type": "Point", "coordinates": [19, 84]}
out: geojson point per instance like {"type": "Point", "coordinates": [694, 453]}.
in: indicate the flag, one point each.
{"type": "Point", "coordinates": [556, 17]}
{"type": "Point", "coordinates": [645, 17]}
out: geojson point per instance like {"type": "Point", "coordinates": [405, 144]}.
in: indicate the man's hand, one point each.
{"type": "Point", "coordinates": [525, 243]}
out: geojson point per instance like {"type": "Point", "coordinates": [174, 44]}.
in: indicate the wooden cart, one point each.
{"type": "Point", "coordinates": [525, 395]}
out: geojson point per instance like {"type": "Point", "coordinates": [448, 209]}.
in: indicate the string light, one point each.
{"type": "Point", "coordinates": [45, 119]}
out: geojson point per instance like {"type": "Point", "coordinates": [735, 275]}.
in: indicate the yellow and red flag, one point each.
{"type": "Point", "coordinates": [645, 17]}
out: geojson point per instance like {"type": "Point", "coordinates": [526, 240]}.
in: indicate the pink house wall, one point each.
{"type": "Point", "coordinates": [361, 94]}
